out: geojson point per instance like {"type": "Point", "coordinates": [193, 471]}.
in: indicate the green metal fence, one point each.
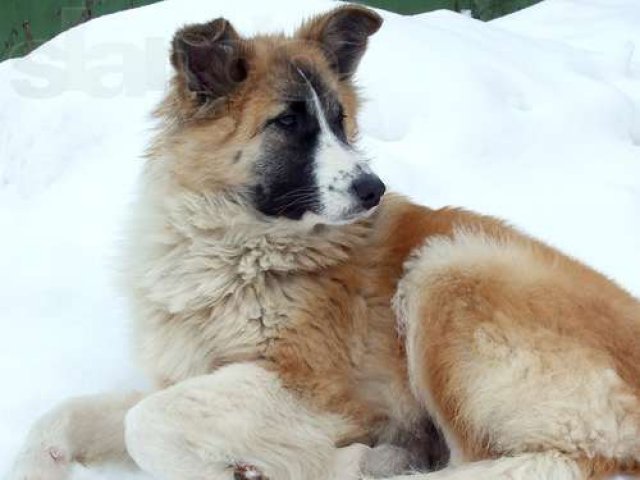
{"type": "Point", "coordinates": [480, 9]}
{"type": "Point", "coordinates": [24, 24]}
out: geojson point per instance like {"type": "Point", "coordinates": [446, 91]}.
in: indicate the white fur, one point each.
{"type": "Point", "coordinates": [336, 168]}
{"type": "Point", "coordinates": [202, 427]}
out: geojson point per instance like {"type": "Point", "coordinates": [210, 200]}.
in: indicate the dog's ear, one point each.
{"type": "Point", "coordinates": [343, 34]}
{"type": "Point", "coordinates": [209, 57]}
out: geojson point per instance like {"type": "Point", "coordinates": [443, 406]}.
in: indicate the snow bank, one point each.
{"type": "Point", "coordinates": [534, 117]}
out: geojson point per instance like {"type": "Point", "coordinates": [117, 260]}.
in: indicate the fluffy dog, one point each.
{"type": "Point", "coordinates": [292, 315]}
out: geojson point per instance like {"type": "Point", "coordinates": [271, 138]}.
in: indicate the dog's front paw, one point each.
{"type": "Point", "coordinates": [385, 461]}
{"type": "Point", "coordinates": [41, 463]}
{"type": "Point", "coordinates": [347, 462]}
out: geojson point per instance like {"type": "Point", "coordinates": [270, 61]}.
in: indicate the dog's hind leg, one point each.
{"type": "Point", "coordinates": [239, 419]}
{"type": "Point", "coordinates": [495, 356]}
{"type": "Point", "coordinates": [87, 430]}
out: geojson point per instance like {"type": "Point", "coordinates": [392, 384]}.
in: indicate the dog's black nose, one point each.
{"type": "Point", "coordinates": [369, 190]}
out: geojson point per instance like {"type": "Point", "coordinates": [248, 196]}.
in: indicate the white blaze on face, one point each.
{"type": "Point", "coordinates": [336, 166]}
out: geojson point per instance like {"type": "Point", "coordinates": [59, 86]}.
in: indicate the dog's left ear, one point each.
{"type": "Point", "coordinates": [343, 34]}
{"type": "Point", "coordinates": [209, 56]}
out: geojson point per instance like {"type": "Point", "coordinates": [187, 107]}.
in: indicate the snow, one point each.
{"type": "Point", "coordinates": [534, 117]}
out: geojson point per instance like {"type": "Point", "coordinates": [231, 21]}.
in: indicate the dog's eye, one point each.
{"type": "Point", "coordinates": [339, 117]}
{"type": "Point", "coordinates": [286, 121]}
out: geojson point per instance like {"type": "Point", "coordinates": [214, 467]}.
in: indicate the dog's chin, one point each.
{"type": "Point", "coordinates": [346, 217]}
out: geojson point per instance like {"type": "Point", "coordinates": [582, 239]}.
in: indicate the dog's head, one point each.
{"type": "Point", "coordinates": [271, 119]}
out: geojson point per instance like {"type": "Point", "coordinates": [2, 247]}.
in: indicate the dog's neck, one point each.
{"type": "Point", "coordinates": [213, 245]}
{"type": "Point", "coordinates": [227, 228]}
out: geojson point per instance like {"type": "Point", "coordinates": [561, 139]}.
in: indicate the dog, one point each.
{"type": "Point", "coordinates": [300, 323]}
